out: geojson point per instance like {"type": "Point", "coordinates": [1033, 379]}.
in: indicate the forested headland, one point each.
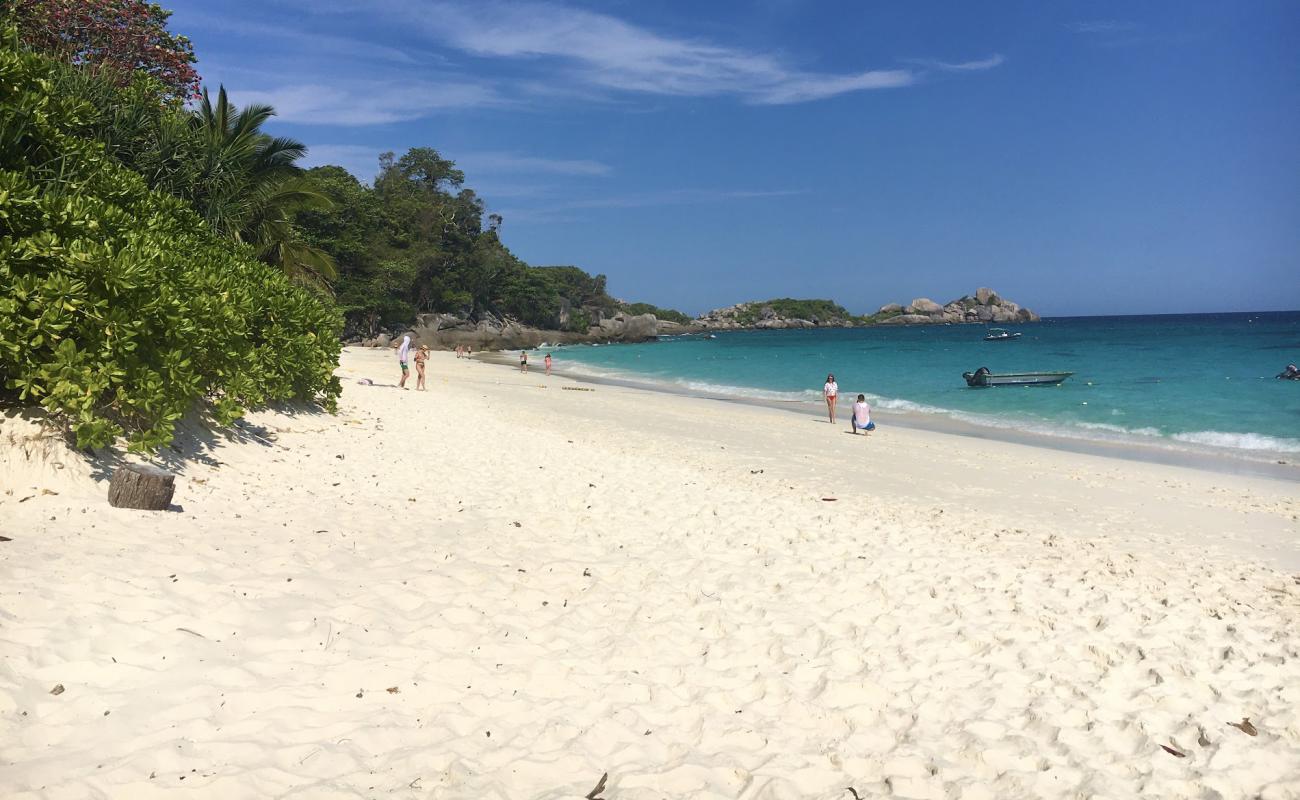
{"type": "Point", "coordinates": [162, 252]}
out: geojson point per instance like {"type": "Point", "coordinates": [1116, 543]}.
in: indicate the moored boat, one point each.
{"type": "Point", "coordinates": [1001, 335]}
{"type": "Point", "coordinates": [982, 377]}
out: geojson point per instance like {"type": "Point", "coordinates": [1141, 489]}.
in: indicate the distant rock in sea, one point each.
{"type": "Point", "coordinates": [986, 306]}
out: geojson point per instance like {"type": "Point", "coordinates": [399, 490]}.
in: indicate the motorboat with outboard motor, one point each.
{"type": "Point", "coordinates": [982, 378]}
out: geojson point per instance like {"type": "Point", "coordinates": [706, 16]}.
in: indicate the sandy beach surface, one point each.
{"type": "Point", "coordinates": [510, 585]}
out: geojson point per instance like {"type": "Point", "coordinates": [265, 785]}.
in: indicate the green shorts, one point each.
{"type": "Point", "coordinates": [404, 367]}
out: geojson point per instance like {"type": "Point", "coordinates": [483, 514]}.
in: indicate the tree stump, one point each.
{"type": "Point", "coordinates": [141, 486]}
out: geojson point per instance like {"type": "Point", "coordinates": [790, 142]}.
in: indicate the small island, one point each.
{"type": "Point", "coordinates": [985, 306]}
{"type": "Point", "coordinates": [603, 319]}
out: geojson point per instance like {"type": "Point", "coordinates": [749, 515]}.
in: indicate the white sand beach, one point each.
{"type": "Point", "coordinates": [510, 585]}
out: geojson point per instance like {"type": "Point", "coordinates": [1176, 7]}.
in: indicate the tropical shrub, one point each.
{"type": "Point", "coordinates": [822, 310]}
{"type": "Point", "coordinates": [120, 308]}
{"type": "Point", "coordinates": [668, 314]}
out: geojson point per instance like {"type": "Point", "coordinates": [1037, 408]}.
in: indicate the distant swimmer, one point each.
{"type": "Point", "coordinates": [830, 391]}
{"type": "Point", "coordinates": [860, 419]}
{"type": "Point", "coordinates": [1291, 373]}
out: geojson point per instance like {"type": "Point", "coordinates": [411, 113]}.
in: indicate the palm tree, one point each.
{"type": "Point", "coordinates": [248, 185]}
{"type": "Point", "coordinates": [272, 234]}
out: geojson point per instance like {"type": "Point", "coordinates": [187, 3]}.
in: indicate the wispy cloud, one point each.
{"type": "Point", "coordinates": [302, 41]}
{"type": "Point", "coordinates": [371, 102]}
{"type": "Point", "coordinates": [543, 54]}
{"type": "Point", "coordinates": [497, 162]}
{"type": "Point", "coordinates": [995, 60]}
{"type": "Point", "coordinates": [360, 160]}
{"type": "Point", "coordinates": [602, 50]}
{"type": "Point", "coordinates": [1102, 26]}
{"type": "Point", "coordinates": [564, 210]}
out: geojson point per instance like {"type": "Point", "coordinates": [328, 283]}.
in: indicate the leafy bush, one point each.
{"type": "Point", "coordinates": [820, 310]}
{"type": "Point", "coordinates": [119, 308]}
{"type": "Point", "coordinates": [579, 322]}
{"type": "Point", "coordinates": [671, 315]}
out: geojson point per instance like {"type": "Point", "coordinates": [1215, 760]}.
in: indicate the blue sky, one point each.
{"type": "Point", "coordinates": [1079, 157]}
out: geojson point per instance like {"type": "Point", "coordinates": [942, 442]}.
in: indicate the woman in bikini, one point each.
{"type": "Point", "coordinates": [421, 356]}
{"type": "Point", "coordinates": [830, 391]}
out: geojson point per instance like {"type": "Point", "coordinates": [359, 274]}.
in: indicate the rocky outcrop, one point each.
{"type": "Point", "coordinates": [448, 331]}
{"type": "Point", "coordinates": [768, 316]}
{"type": "Point", "coordinates": [907, 319]}
{"type": "Point", "coordinates": [984, 307]}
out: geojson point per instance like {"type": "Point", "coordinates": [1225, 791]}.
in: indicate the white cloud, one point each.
{"type": "Point", "coordinates": [602, 50]}
{"type": "Point", "coordinates": [995, 60]}
{"type": "Point", "coordinates": [1102, 26]}
{"type": "Point", "coordinates": [496, 162]}
{"type": "Point", "coordinates": [369, 103]}
{"type": "Point", "coordinates": [547, 53]}
{"type": "Point", "coordinates": [360, 160]}
{"type": "Point", "coordinates": [285, 37]}
{"type": "Point", "coordinates": [675, 197]}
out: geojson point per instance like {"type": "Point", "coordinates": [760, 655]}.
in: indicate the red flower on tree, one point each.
{"type": "Point", "coordinates": [115, 38]}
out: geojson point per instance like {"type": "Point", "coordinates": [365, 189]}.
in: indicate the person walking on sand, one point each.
{"type": "Point", "coordinates": [548, 365]}
{"type": "Point", "coordinates": [830, 391]}
{"type": "Point", "coordinates": [404, 353]}
{"type": "Point", "coordinates": [860, 419]}
{"type": "Point", "coordinates": [523, 361]}
{"type": "Point", "coordinates": [421, 356]}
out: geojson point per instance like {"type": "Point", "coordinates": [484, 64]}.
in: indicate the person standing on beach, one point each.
{"type": "Point", "coordinates": [421, 356]}
{"type": "Point", "coordinates": [403, 353]}
{"type": "Point", "coordinates": [548, 364]}
{"type": "Point", "coordinates": [860, 419]}
{"type": "Point", "coordinates": [830, 391]}
{"type": "Point", "coordinates": [523, 361]}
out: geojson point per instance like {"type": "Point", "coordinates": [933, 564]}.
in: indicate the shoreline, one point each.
{"type": "Point", "coordinates": [1163, 451]}
{"type": "Point", "coordinates": [502, 588]}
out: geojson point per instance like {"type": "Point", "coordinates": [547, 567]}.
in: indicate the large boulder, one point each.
{"type": "Point", "coordinates": [908, 319]}
{"type": "Point", "coordinates": [640, 327]}
{"type": "Point", "coordinates": [890, 308]}
{"type": "Point", "coordinates": [924, 305]}
{"type": "Point", "coordinates": [986, 296]}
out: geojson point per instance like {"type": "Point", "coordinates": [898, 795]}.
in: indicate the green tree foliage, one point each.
{"type": "Point", "coordinates": [416, 242]}
{"type": "Point", "coordinates": [216, 157]}
{"type": "Point", "coordinates": [120, 308]}
{"type": "Point", "coordinates": [669, 314]}
{"type": "Point", "coordinates": [818, 310]}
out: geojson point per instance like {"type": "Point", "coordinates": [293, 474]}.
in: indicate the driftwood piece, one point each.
{"type": "Point", "coordinates": [141, 486]}
{"type": "Point", "coordinates": [594, 794]}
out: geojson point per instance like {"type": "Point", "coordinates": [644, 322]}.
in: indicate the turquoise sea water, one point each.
{"type": "Point", "coordinates": [1203, 380]}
